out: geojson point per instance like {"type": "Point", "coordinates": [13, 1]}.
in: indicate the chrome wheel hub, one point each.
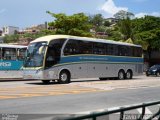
{"type": "Point", "coordinates": [121, 75]}
{"type": "Point", "coordinates": [64, 77]}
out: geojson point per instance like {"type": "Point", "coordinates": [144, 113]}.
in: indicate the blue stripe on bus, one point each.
{"type": "Point", "coordinates": [10, 64]}
{"type": "Point", "coordinates": [100, 59]}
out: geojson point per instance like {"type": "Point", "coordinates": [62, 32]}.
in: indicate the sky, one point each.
{"type": "Point", "coordinates": [26, 13]}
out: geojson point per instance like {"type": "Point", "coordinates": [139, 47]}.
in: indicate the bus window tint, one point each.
{"type": "Point", "coordinates": [72, 47]}
{"type": "Point", "coordinates": [85, 47]}
{"type": "Point", "coordinates": [57, 44]}
{"type": "Point", "coordinates": [21, 54]}
{"type": "Point", "coordinates": [99, 48]}
{"type": "Point", "coordinates": [9, 54]}
{"type": "Point", "coordinates": [0, 53]}
{"type": "Point", "coordinates": [129, 51]}
{"type": "Point", "coordinates": [111, 49]}
{"type": "Point", "coordinates": [122, 50]}
{"type": "Point", "coordinates": [140, 51]}
{"type": "Point", "coordinates": [137, 52]}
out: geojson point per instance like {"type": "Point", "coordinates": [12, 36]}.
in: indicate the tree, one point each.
{"type": "Point", "coordinates": [123, 15]}
{"type": "Point", "coordinates": [147, 29]}
{"type": "Point", "coordinates": [125, 24]}
{"type": "Point", "coordinates": [96, 20]}
{"type": "Point", "coordinates": [147, 33]}
{"type": "Point", "coordinates": [125, 27]}
{"type": "Point", "coordinates": [76, 24]}
{"type": "Point", "coordinates": [11, 38]}
{"type": "Point", "coordinates": [114, 35]}
{"type": "Point", "coordinates": [107, 23]}
{"type": "Point", "coordinates": [145, 24]}
{"type": "Point", "coordinates": [149, 40]}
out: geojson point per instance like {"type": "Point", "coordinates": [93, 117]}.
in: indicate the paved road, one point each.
{"type": "Point", "coordinates": [24, 89]}
{"type": "Point", "coordinates": [33, 97]}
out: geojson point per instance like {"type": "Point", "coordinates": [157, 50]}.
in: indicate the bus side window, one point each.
{"type": "Point", "coordinates": [122, 50]}
{"type": "Point", "coordinates": [57, 44]}
{"type": "Point", "coordinates": [140, 52]}
{"type": "Point", "coordinates": [0, 53]}
{"type": "Point", "coordinates": [129, 50]}
{"type": "Point", "coordinates": [137, 51]}
{"type": "Point", "coordinates": [110, 49]}
{"type": "Point", "coordinates": [9, 54]}
{"type": "Point", "coordinates": [85, 47]}
{"type": "Point", "coordinates": [99, 48]}
{"type": "Point", "coordinates": [21, 54]}
{"type": "Point", "coordinates": [72, 47]}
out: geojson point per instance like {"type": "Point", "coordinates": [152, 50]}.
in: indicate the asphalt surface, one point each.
{"type": "Point", "coordinates": [33, 97]}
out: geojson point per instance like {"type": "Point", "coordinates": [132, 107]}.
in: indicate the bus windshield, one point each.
{"type": "Point", "coordinates": [35, 54]}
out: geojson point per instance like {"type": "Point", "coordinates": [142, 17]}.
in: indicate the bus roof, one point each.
{"type": "Point", "coordinates": [11, 46]}
{"type": "Point", "coordinates": [51, 37]}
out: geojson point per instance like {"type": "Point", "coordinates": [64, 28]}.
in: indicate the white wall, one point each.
{"type": "Point", "coordinates": [1, 39]}
{"type": "Point", "coordinates": [9, 30]}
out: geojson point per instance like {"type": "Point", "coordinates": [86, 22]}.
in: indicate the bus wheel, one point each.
{"type": "Point", "coordinates": [121, 75]}
{"type": "Point", "coordinates": [64, 77]}
{"type": "Point", "coordinates": [129, 74]}
{"type": "Point", "coordinates": [157, 74]}
{"type": "Point", "coordinates": [46, 81]}
{"type": "Point", "coordinates": [103, 78]}
{"type": "Point", "coordinates": [147, 74]}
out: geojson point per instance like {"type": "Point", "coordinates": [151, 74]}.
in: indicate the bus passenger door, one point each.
{"type": "Point", "coordinates": [50, 57]}
{"type": "Point", "coordinates": [54, 52]}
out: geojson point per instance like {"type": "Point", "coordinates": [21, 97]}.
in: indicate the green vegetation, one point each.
{"type": "Point", "coordinates": [11, 38]}
{"type": "Point", "coordinates": [121, 15]}
{"type": "Point", "coordinates": [144, 31]}
{"type": "Point", "coordinates": [147, 33]}
{"type": "Point", "coordinates": [38, 34]}
{"type": "Point", "coordinates": [77, 24]}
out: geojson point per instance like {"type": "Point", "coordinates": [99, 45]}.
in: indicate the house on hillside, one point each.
{"type": "Point", "coordinates": [1, 39]}
{"type": "Point", "coordinates": [9, 30]}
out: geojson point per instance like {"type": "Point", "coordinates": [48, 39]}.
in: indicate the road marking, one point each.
{"type": "Point", "coordinates": [143, 87]}
{"type": "Point", "coordinates": [20, 92]}
{"type": "Point", "coordinates": [7, 97]}
{"type": "Point", "coordinates": [113, 108]}
{"type": "Point", "coordinates": [148, 113]}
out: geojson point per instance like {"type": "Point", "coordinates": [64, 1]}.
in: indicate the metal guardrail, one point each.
{"type": "Point", "coordinates": [122, 111]}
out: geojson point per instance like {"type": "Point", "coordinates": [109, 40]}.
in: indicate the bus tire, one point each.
{"type": "Point", "coordinates": [121, 75]}
{"type": "Point", "coordinates": [129, 74]}
{"type": "Point", "coordinates": [102, 78]}
{"type": "Point", "coordinates": [147, 74]}
{"type": "Point", "coordinates": [64, 77]}
{"type": "Point", "coordinates": [157, 74]}
{"type": "Point", "coordinates": [46, 81]}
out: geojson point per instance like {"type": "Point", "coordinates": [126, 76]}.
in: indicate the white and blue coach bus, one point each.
{"type": "Point", "coordinates": [11, 60]}
{"type": "Point", "coordinates": [64, 57]}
